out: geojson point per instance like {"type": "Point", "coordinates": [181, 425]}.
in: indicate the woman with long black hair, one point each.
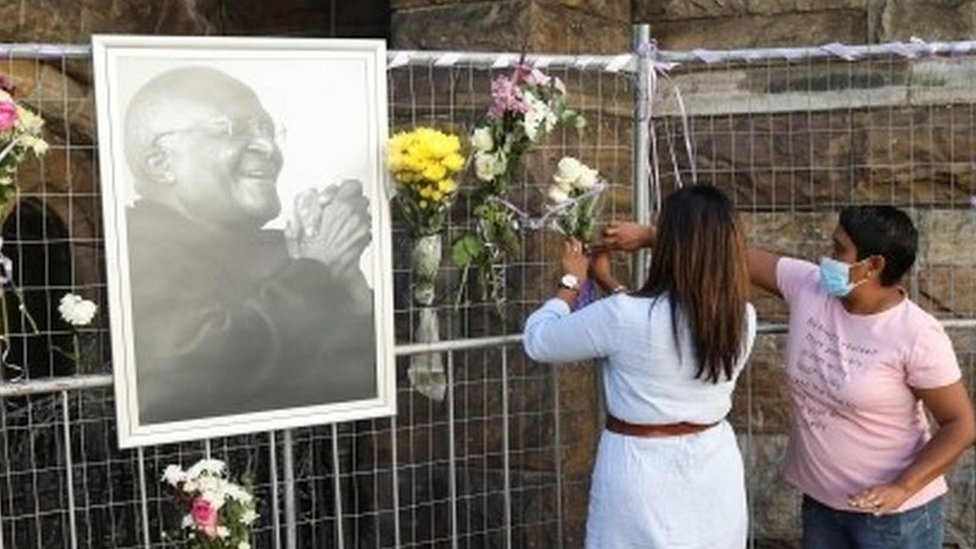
{"type": "Point", "coordinates": [668, 470]}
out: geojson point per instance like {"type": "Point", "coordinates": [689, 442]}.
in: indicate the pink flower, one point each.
{"type": "Point", "coordinates": [205, 517]}
{"type": "Point", "coordinates": [8, 115]}
{"type": "Point", "coordinates": [505, 97]}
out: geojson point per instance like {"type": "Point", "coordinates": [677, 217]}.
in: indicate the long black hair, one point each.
{"type": "Point", "coordinates": [700, 266]}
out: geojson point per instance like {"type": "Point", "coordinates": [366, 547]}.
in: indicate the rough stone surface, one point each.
{"type": "Point", "coordinates": [508, 26]}
{"type": "Point", "coordinates": [56, 21]}
{"type": "Point", "coordinates": [926, 19]}
{"type": "Point", "coordinates": [747, 31]}
{"type": "Point", "coordinates": [652, 11]}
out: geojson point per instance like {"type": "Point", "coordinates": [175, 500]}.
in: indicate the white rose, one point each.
{"type": "Point", "coordinates": [173, 475]}
{"type": "Point", "coordinates": [568, 171]}
{"type": "Point", "coordinates": [587, 178]}
{"type": "Point", "coordinates": [222, 532]}
{"type": "Point", "coordinates": [558, 195]}
{"type": "Point", "coordinates": [487, 165]}
{"type": "Point", "coordinates": [75, 310]}
{"type": "Point", "coordinates": [482, 140]}
{"type": "Point", "coordinates": [187, 522]}
{"type": "Point", "coordinates": [243, 545]}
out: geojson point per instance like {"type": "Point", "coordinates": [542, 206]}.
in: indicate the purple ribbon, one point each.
{"type": "Point", "coordinates": [587, 295]}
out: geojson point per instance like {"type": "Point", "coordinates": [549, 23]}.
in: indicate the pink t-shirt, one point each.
{"type": "Point", "coordinates": [855, 421]}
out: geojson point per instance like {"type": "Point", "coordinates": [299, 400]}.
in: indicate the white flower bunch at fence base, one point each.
{"type": "Point", "coordinates": [217, 513]}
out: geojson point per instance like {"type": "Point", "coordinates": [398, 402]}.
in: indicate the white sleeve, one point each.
{"type": "Point", "coordinates": [553, 334]}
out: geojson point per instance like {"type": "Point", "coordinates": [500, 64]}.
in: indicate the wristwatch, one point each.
{"type": "Point", "coordinates": [570, 282]}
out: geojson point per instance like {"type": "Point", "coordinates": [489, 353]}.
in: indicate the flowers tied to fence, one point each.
{"type": "Point", "coordinates": [20, 133]}
{"type": "Point", "coordinates": [525, 108]}
{"type": "Point", "coordinates": [217, 513]}
{"type": "Point", "coordinates": [78, 312]}
{"type": "Point", "coordinates": [573, 199]}
{"type": "Point", "coordinates": [423, 162]}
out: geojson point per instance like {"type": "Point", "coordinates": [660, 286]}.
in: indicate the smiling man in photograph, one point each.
{"type": "Point", "coordinates": [230, 317]}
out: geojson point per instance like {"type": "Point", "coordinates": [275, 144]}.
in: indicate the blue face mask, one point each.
{"type": "Point", "coordinates": [835, 277]}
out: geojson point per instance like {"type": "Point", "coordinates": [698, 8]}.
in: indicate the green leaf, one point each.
{"type": "Point", "coordinates": [466, 249]}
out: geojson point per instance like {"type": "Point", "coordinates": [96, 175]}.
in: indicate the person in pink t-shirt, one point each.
{"type": "Point", "coordinates": [863, 363]}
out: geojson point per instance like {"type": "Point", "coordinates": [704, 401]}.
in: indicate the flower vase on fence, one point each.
{"type": "Point", "coordinates": [423, 162]}
{"type": "Point", "coordinates": [426, 370]}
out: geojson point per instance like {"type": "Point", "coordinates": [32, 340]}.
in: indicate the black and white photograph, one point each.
{"type": "Point", "coordinates": [247, 233]}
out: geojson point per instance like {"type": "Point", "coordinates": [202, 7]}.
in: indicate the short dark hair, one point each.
{"type": "Point", "coordinates": [882, 230]}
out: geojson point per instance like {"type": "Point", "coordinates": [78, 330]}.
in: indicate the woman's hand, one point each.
{"type": "Point", "coordinates": [626, 236]}
{"type": "Point", "coordinates": [884, 498]}
{"type": "Point", "coordinates": [574, 260]}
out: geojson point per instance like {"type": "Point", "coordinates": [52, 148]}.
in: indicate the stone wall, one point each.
{"type": "Point", "coordinates": [723, 24]}
{"type": "Point", "coordinates": [791, 143]}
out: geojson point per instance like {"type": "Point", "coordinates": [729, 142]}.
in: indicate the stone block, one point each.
{"type": "Point", "coordinates": [653, 11]}
{"type": "Point", "coordinates": [512, 26]}
{"type": "Point", "coordinates": [926, 19]}
{"type": "Point", "coordinates": [948, 237]}
{"type": "Point", "coordinates": [751, 31]}
{"type": "Point", "coordinates": [947, 291]}
{"type": "Point", "coordinates": [613, 10]}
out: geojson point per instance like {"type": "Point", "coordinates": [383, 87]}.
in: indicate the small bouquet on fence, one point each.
{"type": "Point", "coordinates": [20, 133]}
{"type": "Point", "coordinates": [218, 513]}
{"type": "Point", "coordinates": [574, 199]}
{"type": "Point", "coordinates": [525, 108]}
{"type": "Point", "coordinates": [423, 162]}
{"type": "Point", "coordinates": [573, 206]}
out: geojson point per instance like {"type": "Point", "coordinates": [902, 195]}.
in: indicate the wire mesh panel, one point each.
{"type": "Point", "coordinates": [503, 459]}
{"type": "Point", "coordinates": [796, 137]}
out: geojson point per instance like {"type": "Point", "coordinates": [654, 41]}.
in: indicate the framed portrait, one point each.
{"type": "Point", "coordinates": [247, 233]}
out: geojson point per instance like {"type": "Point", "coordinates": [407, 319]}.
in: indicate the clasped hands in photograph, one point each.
{"type": "Point", "coordinates": [331, 225]}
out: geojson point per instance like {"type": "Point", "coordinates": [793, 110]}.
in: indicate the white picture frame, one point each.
{"type": "Point", "coordinates": [227, 332]}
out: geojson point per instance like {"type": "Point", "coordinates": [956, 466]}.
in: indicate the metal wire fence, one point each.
{"type": "Point", "coordinates": [503, 460]}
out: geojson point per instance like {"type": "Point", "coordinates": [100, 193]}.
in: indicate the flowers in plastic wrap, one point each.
{"type": "Point", "coordinates": [573, 199]}
{"type": "Point", "coordinates": [423, 162]}
{"type": "Point", "coordinates": [525, 107]}
{"type": "Point", "coordinates": [217, 513]}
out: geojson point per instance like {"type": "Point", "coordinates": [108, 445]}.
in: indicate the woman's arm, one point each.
{"type": "Point", "coordinates": [626, 236]}
{"type": "Point", "coordinates": [952, 410]}
{"type": "Point", "coordinates": [552, 334]}
{"type": "Point", "coordinates": [601, 272]}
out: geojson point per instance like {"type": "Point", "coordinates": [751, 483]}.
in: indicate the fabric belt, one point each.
{"type": "Point", "coordinates": [621, 427]}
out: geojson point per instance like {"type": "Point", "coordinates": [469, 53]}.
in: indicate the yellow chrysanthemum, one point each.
{"type": "Point", "coordinates": [447, 186]}
{"type": "Point", "coordinates": [453, 162]}
{"type": "Point", "coordinates": [434, 172]}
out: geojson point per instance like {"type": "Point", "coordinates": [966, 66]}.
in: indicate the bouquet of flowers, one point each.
{"type": "Point", "coordinates": [525, 108]}
{"type": "Point", "coordinates": [217, 512]}
{"type": "Point", "coordinates": [423, 162]}
{"type": "Point", "coordinates": [574, 199]}
{"type": "Point", "coordinates": [20, 132]}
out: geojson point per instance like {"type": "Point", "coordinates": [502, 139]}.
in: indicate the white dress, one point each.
{"type": "Point", "coordinates": [665, 492]}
